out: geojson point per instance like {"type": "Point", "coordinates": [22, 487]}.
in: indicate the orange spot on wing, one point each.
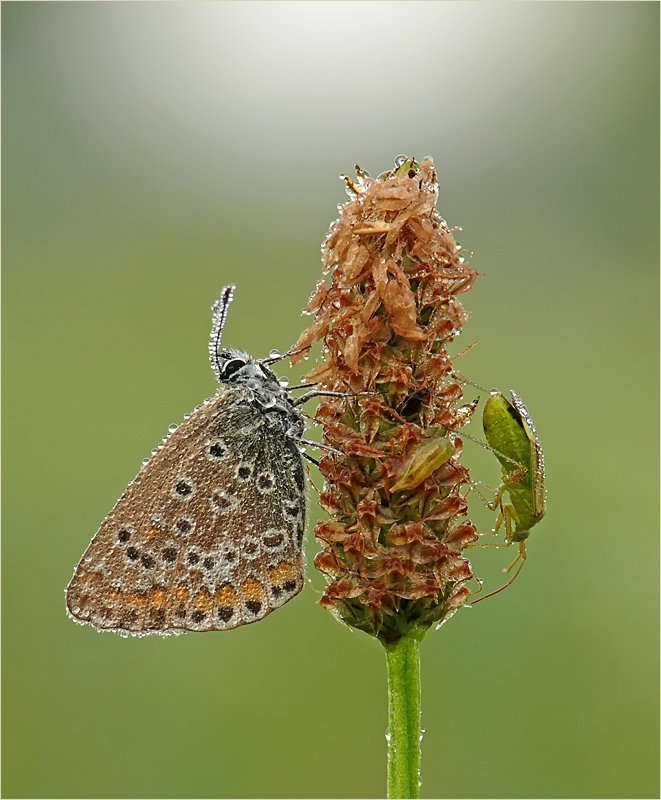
{"type": "Point", "coordinates": [114, 595]}
{"type": "Point", "coordinates": [202, 601]}
{"type": "Point", "coordinates": [179, 593]}
{"type": "Point", "coordinates": [92, 578]}
{"type": "Point", "coordinates": [283, 572]}
{"type": "Point", "coordinates": [225, 596]}
{"type": "Point", "coordinates": [253, 590]}
{"type": "Point", "coordinates": [158, 598]}
{"type": "Point", "coordinates": [137, 599]}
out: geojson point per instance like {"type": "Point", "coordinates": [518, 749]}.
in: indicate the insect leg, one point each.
{"type": "Point", "coordinates": [509, 583]}
{"type": "Point", "coordinates": [320, 393]}
{"type": "Point", "coordinates": [498, 499]}
{"type": "Point", "coordinates": [516, 476]}
{"type": "Point", "coordinates": [507, 514]}
{"type": "Point", "coordinates": [281, 356]}
{"type": "Point", "coordinates": [320, 446]}
{"type": "Point", "coordinates": [522, 555]}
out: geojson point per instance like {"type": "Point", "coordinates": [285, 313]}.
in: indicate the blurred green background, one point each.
{"type": "Point", "coordinates": [153, 152]}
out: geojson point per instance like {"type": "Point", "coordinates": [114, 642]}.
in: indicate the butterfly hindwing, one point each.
{"type": "Point", "coordinates": [209, 534]}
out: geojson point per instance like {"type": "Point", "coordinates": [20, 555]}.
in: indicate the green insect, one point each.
{"type": "Point", "coordinates": [511, 435]}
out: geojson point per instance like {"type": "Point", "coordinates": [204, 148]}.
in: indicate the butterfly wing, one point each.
{"type": "Point", "coordinates": [209, 534]}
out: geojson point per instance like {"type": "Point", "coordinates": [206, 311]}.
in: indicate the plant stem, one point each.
{"type": "Point", "coordinates": [403, 662]}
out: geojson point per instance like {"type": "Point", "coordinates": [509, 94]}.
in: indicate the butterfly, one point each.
{"type": "Point", "coordinates": [209, 535]}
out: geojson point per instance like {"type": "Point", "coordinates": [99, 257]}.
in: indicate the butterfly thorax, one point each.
{"type": "Point", "coordinates": [262, 390]}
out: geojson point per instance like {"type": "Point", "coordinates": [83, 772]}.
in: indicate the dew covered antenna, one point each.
{"type": "Point", "coordinates": [219, 315]}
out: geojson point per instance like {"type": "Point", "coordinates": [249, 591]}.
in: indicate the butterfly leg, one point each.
{"type": "Point", "coordinates": [320, 446]}
{"type": "Point", "coordinates": [310, 459]}
{"type": "Point", "coordinates": [317, 393]}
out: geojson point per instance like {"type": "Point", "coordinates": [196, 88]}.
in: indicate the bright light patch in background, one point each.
{"type": "Point", "coordinates": [184, 89]}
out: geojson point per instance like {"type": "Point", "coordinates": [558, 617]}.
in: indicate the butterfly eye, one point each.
{"type": "Point", "coordinates": [233, 366]}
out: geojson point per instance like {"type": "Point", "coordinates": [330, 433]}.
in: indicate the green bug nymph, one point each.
{"type": "Point", "coordinates": [511, 435]}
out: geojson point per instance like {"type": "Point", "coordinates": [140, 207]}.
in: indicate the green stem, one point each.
{"type": "Point", "coordinates": [403, 661]}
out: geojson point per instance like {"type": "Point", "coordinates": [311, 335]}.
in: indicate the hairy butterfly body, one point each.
{"type": "Point", "coordinates": [209, 534]}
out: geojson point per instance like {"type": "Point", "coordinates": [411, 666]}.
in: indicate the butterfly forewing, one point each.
{"type": "Point", "coordinates": [209, 534]}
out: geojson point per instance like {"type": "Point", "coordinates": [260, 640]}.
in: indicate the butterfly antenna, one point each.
{"type": "Point", "coordinates": [218, 316]}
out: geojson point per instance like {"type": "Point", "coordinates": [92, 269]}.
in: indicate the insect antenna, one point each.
{"type": "Point", "coordinates": [219, 315]}
{"type": "Point", "coordinates": [493, 450]}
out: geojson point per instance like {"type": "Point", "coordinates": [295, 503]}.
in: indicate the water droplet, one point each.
{"type": "Point", "coordinates": [274, 352]}
{"type": "Point", "coordinates": [172, 428]}
{"type": "Point", "coordinates": [400, 159]}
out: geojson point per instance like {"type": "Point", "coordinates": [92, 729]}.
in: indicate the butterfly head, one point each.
{"type": "Point", "coordinates": [239, 367]}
